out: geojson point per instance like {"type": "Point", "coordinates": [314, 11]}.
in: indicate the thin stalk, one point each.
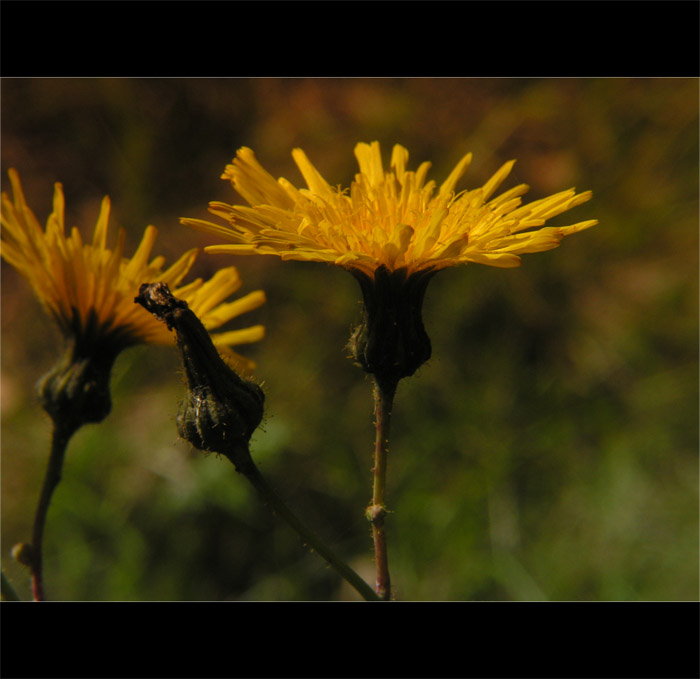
{"type": "Point", "coordinates": [59, 443]}
{"type": "Point", "coordinates": [8, 591]}
{"type": "Point", "coordinates": [383, 400]}
{"type": "Point", "coordinates": [270, 497]}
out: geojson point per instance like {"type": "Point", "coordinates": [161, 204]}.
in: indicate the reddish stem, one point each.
{"type": "Point", "coordinates": [61, 436]}
{"type": "Point", "coordinates": [376, 512]}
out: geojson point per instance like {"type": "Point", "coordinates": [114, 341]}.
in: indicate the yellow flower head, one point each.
{"type": "Point", "coordinates": [393, 219]}
{"type": "Point", "coordinates": [89, 289]}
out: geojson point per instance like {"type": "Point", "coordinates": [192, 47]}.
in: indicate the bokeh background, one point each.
{"type": "Point", "coordinates": [548, 450]}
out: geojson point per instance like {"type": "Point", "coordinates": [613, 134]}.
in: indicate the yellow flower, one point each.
{"type": "Point", "coordinates": [89, 289]}
{"type": "Point", "coordinates": [395, 219]}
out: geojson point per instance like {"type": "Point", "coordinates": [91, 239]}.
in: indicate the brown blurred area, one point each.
{"type": "Point", "coordinates": [549, 449]}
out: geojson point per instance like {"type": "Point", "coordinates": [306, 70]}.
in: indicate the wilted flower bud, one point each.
{"type": "Point", "coordinates": [390, 342]}
{"type": "Point", "coordinates": [221, 410]}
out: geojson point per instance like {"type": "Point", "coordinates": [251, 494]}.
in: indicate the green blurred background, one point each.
{"type": "Point", "coordinates": [548, 450]}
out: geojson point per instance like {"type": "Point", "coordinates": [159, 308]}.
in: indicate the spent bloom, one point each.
{"type": "Point", "coordinates": [221, 409]}
{"type": "Point", "coordinates": [393, 219]}
{"type": "Point", "coordinates": [89, 288]}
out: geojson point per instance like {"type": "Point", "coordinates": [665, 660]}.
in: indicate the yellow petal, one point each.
{"type": "Point", "coordinates": [316, 183]}
{"type": "Point", "coordinates": [234, 337]}
{"type": "Point", "coordinates": [448, 185]}
{"type": "Point", "coordinates": [370, 161]}
{"type": "Point", "coordinates": [497, 179]}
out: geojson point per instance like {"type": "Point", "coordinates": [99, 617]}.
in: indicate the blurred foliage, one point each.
{"type": "Point", "coordinates": [549, 449]}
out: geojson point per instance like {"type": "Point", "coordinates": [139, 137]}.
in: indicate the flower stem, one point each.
{"type": "Point", "coordinates": [384, 391]}
{"type": "Point", "coordinates": [270, 497]}
{"type": "Point", "coordinates": [7, 590]}
{"type": "Point", "coordinates": [59, 443]}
